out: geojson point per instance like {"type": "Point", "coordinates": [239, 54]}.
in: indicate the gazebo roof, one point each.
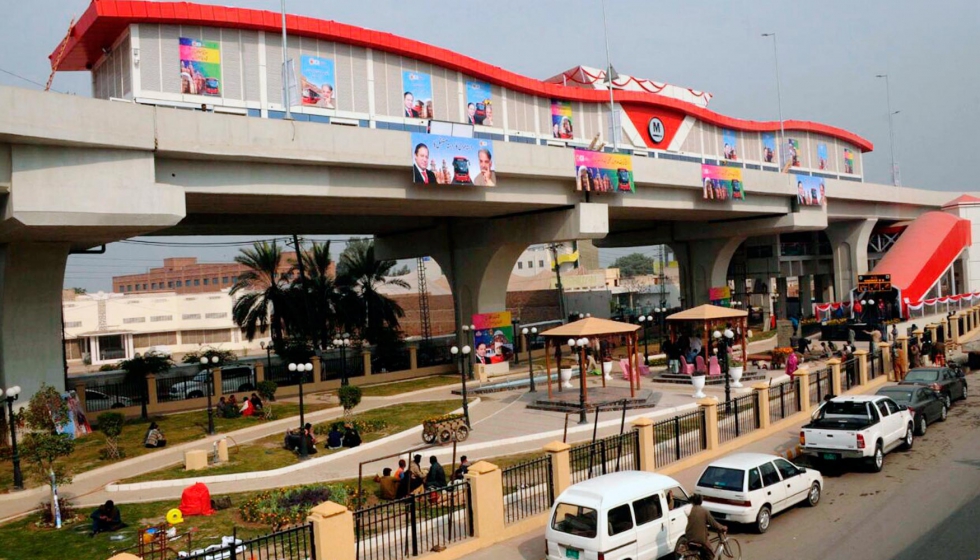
{"type": "Point", "coordinates": [591, 326]}
{"type": "Point", "coordinates": [707, 313]}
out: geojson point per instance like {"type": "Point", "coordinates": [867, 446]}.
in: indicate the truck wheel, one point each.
{"type": "Point", "coordinates": [762, 519]}
{"type": "Point", "coordinates": [876, 461]}
{"type": "Point", "coordinates": [909, 438]}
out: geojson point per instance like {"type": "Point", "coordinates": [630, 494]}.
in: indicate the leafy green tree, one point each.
{"type": "Point", "coordinates": [634, 264]}
{"type": "Point", "coordinates": [111, 425]}
{"type": "Point", "coordinates": [43, 447]}
{"type": "Point", "coordinates": [365, 309]}
{"type": "Point", "coordinates": [141, 365]}
{"type": "Point", "coordinates": [224, 356]}
{"type": "Point", "coordinates": [262, 303]}
{"type": "Point", "coordinates": [350, 397]}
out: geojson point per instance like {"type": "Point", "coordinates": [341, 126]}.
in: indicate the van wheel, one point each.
{"type": "Point", "coordinates": [813, 497]}
{"type": "Point", "coordinates": [762, 519]}
{"type": "Point", "coordinates": [876, 461]}
{"type": "Point", "coordinates": [909, 438]}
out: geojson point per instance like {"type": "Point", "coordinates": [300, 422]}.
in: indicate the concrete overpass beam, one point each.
{"type": "Point", "coordinates": [704, 265]}
{"type": "Point", "coordinates": [31, 277]}
{"type": "Point", "coordinates": [849, 242]}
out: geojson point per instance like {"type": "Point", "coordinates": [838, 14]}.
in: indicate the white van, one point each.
{"type": "Point", "coordinates": [627, 515]}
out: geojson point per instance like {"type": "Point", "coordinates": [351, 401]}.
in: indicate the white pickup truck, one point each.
{"type": "Point", "coordinates": [857, 427]}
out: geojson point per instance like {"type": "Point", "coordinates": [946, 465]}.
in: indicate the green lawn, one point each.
{"type": "Point", "coordinates": [268, 453]}
{"type": "Point", "coordinates": [178, 428]}
{"type": "Point", "coordinates": [399, 387]}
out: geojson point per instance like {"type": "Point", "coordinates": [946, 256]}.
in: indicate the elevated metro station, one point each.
{"type": "Point", "coordinates": [187, 134]}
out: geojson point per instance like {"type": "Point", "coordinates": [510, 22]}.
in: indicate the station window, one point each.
{"type": "Point", "coordinates": [224, 279]}
{"type": "Point", "coordinates": [170, 284]}
{"type": "Point", "coordinates": [540, 264]}
{"type": "Point", "coordinates": [180, 283]}
{"type": "Point", "coordinates": [520, 265]}
{"type": "Point", "coordinates": [205, 282]}
{"type": "Point", "coordinates": [197, 281]}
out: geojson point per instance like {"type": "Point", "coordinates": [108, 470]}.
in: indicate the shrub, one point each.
{"type": "Point", "coordinates": [362, 426]}
{"type": "Point", "coordinates": [43, 447]}
{"type": "Point", "coordinates": [290, 506]}
{"type": "Point", "coordinates": [350, 397]}
{"type": "Point", "coordinates": [110, 367]}
{"type": "Point", "coordinates": [267, 390]}
{"type": "Point", "coordinates": [45, 518]}
{"type": "Point", "coordinates": [224, 356]}
{"type": "Point", "coordinates": [111, 424]}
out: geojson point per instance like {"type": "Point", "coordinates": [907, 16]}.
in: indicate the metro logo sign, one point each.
{"type": "Point", "coordinates": [655, 128]}
{"type": "Point", "coordinates": [656, 125]}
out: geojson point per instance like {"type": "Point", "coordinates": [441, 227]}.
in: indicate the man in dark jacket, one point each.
{"type": "Point", "coordinates": [437, 475]}
{"type": "Point", "coordinates": [106, 518]}
{"type": "Point", "coordinates": [698, 522]}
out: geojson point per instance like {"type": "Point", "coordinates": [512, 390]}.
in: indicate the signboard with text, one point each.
{"type": "Point", "coordinates": [874, 282]}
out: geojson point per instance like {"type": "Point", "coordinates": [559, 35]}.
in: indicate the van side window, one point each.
{"type": "Point", "coordinates": [755, 481]}
{"type": "Point", "coordinates": [676, 497]}
{"type": "Point", "coordinates": [769, 475]}
{"type": "Point", "coordinates": [620, 519]}
{"type": "Point", "coordinates": [647, 509]}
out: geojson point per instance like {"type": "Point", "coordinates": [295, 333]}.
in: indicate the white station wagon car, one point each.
{"type": "Point", "coordinates": [751, 487]}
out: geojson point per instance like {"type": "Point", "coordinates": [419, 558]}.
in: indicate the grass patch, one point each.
{"type": "Point", "coordinates": [268, 453]}
{"type": "Point", "coordinates": [399, 387]}
{"type": "Point", "coordinates": [179, 428]}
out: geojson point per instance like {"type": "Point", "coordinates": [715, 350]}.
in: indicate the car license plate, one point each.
{"type": "Point", "coordinates": [830, 456]}
{"type": "Point", "coordinates": [571, 553]}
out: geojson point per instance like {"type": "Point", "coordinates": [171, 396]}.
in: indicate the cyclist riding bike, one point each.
{"type": "Point", "coordinates": [698, 521]}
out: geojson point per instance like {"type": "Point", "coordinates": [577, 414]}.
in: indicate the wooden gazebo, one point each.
{"type": "Point", "coordinates": [711, 317]}
{"type": "Point", "coordinates": [588, 328]}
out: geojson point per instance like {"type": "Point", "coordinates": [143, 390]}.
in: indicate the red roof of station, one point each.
{"type": "Point", "coordinates": [105, 20]}
{"type": "Point", "coordinates": [963, 199]}
{"type": "Point", "coordinates": [923, 253]}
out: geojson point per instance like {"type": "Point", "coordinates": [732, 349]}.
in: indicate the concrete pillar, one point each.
{"type": "Point", "coordinates": [806, 295]}
{"type": "Point", "coordinates": [413, 357]}
{"type": "Point", "coordinates": [223, 450]}
{"type": "Point", "coordinates": [125, 556]}
{"type": "Point", "coordinates": [366, 356]}
{"type": "Point", "coordinates": [259, 372]}
{"type": "Point", "coordinates": [645, 427]}
{"type": "Point", "coordinates": [710, 406]}
{"type": "Point", "coordinates": [486, 499]}
{"type": "Point", "coordinates": [849, 242]}
{"type": "Point", "coordinates": [804, 376]}
{"type": "Point", "coordinates": [931, 329]}
{"type": "Point", "coordinates": [333, 532]}
{"type": "Point", "coordinates": [886, 358]}
{"type": "Point", "coordinates": [31, 278]}
{"type": "Point", "coordinates": [835, 384]}
{"type": "Point", "coordinates": [195, 460]}
{"type": "Point", "coordinates": [151, 393]}
{"type": "Point", "coordinates": [706, 262]}
{"type": "Point", "coordinates": [216, 375]}
{"type": "Point", "coordinates": [80, 394]}
{"type": "Point", "coordinates": [762, 400]}
{"type": "Point", "coordinates": [561, 465]}
{"type": "Point", "coordinates": [862, 362]}
{"type": "Point", "coordinates": [781, 307]}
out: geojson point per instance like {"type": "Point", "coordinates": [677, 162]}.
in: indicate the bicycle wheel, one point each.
{"type": "Point", "coordinates": [732, 549]}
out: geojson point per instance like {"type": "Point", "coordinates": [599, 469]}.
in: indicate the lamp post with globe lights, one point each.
{"type": "Point", "coordinates": [300, 370]}
{"type": "Point", "coordinates": [208, 365]}
{"type": "Point", "coordinates": [10, 395]}
{"type": "Point", "coordinates": [343, 343]}
{"type": "Point", "coordinates": [580, 345]}
{"type": "Point", "coordinates": [528, 335]}
{"type": "Point", "coordinates": [268, 354]}
{"type": "Point", "coordinates": [469, 334]}
{"type": "Point", "coordinates": [464, 357]}
{"type": "Point", "coordinates": [645, 322]}
{"type": "Point", "coordinates": [725, 341]}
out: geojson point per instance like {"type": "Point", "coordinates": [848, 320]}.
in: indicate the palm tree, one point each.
{"type": "Point", "coordinates": [138, 367]}
{"type": "Point", "coordinates": [264, 302]}
{"type": "Point", "coordinates": [359, 276]}
{"type": "Point", "coordinates": [323, 302]}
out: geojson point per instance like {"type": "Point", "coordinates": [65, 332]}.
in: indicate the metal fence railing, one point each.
{"type": "Point", "coordinates": [291, 544]}
{"type": "Point", "coordinates": [820, 385]}
{"type": "Point", "coordinates": [848, 372]}
{"type": "Point", "coordinates": [333, 365]}
{"type": "Point", "coordinates": [398, 360]}
{"type": "Point", "coordinates": [284, 378]}
{"type": "Point", "coordinates": [876, 365]}
{"type": "Point", "coordinates": [118, 394]}
{"type": "Point", "coordinates": [737, 417]}
{"type": "Point", "coordinates": [182, 387]}
{"type": "Point", "coordinates": [413, 525]}
{"type": "Point", "coordinates": [528, 489]}
{"type": "Point", "coordinates": [612, 454]}
{"type": "Point", "coordinates": [679, 437]}
{"type": "Point", "coordinates": [237, 380]}
{"type": "Point", "coordinates": [784, 400]}
{"type": "Point", "coordinates": [433, 355]}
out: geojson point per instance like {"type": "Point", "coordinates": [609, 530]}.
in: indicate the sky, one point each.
{"type": "Point", "coordinates": [829, 53]}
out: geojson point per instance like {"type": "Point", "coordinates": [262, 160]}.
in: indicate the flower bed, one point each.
{"type": "Point", "coordinates": [281, 508]}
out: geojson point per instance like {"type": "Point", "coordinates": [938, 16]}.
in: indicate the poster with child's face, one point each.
{"type": "Point", "coordinates": [730, 149]}
{"type": "Point", "coordinates": [561, 119]}
{"type": "Point", "coordinates": [493, 338]}
{"type": "Point", "coordinates": [769, 147]}
{"type": "Point", "coordinates": [479, 107]}
{"type": "Point", "coordinates": [417, 96]}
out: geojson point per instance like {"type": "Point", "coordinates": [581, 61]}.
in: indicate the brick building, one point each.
{"type": "Point", "coordinates": [184, 275]}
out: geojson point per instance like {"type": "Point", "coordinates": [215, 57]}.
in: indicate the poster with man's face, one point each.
{"type": "Point", "coordinates": [317, 82]}
{"type": "Point", "coordinates": [493, 338]}
{"type": "Point", "coordinates": [479, 106]}
{"type": "Point", "coordinates": [417, 96]}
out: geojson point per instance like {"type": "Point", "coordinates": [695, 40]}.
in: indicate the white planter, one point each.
{"type": "Point", "coordinates": [698, 382]}
{"type": "Point", "coordinates": [566, 378]}
{"type": "Point", "coordinates": [607, 370]}
{"type": "Point", "coordinates": [736, 373]}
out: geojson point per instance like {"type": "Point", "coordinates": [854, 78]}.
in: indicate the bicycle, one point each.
{"type": "Point", "coordinates": [722, 547]}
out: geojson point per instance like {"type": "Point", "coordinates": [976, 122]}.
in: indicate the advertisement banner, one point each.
{"type": "Point", "coordinates": [722, 183]}
{"type": "Point", "coordinates": [730, 150]}
{"type": "Point", "coordinates": [720, 296]}
{"type": "Point", "coordinates": [602, 172]}
{"type": "Point", "coordinates": [451, 160]}
{"type": "Point", "coordinates": [769, 147]}
{"type": "Point", "coordinates": [493, 339]}
{"type": "Point", "coordinates": [821, 156]}
{"type": "Point", "coordinates": [561, 119]}
{"type": "Point", "coordinates": [318, 81]}
{"type": "Point", "coordinates": [418, 95]}
{"type": "Point", "coordinates": [791, 154]}
{"type": "Point", "coordinates": [809, 190]}
{"type": "Point", "coordinates": [848, 161]}
{"type": "Point", "coordinates": [479, 107]}
{"type": "Point", "coordinates": [200, 67]}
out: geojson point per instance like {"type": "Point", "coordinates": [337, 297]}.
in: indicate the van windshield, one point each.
{"type": "Point", "coordinates": [575, 520]}
{"type": "Point", "coordinates": [721, 478]}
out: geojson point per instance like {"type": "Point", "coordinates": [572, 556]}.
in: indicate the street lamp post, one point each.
{"type": "Point", "coordinates": [469, 334]}
{"type": "Point", "coordinates": [517, 355]}
{"type": "Point", "coordinates": [301, 370]}
{"type": "Point", "coordinates": [891, 130]}
{"type": "Point", "coordinates": [10, 395]}
{"type": "Point", "coordinates": [210, 388]}
{"type": "Point", "coordinates": [343, 343]}
{"type": "Point", "coordinates": [268, 355]}
{"type": "Point", "coordinates": [645, 321]}
{"type": "Point", "coordinates": [581, 344]}
{"type": "Point", "coordinates": [779, 96]}
{"type": "Point", "coordinates": [723, 348]}
{"type": "Point", "coordinates": [464, 356]}
{"type": "Point", "coordinates": [528, 335]}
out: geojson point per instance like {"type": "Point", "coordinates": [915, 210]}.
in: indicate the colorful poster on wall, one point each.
{"type": "Point", "coordinates": [493, 339]}
{"type": "Point", "coordinates": [730, 149]}
{"type": "Point", "coordinates": [318, 81]}
{"type": "Point", "coordinates": [451, 160]}
{"type": "Point", "coordinates": [722, 183]}
{"type": "Point", "coordinates": [418, 95]}
{"type": "Point", "coordinates": [200, 67]}
{"type": "Point", "coordinates": [479, 106]}
{"type": "Point", "coordinates": [561, 119]}
{"type": "Point", "coordinates": [720, 296]}
{"type": "Point", "coordinates": [821, 156]}
{"type": "Point", "coordinates": [602, 172]}
{"type": "Point", "coordinates": [848, 161]}
{"type": "Point", "coordinates": [809, 190]}
{"type": "Point", "coordinates": [791, 154]}
{"type": "Point", "coordinates": [769, 147]}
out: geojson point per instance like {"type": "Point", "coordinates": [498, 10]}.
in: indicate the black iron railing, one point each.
{"type": "Point", "coordinates": [679, 437]}
{"type": "Point", "coordinates": [784, 400]}
{"type": "Point", "coordinates": [820, 385]}
{"type": "Point", "coordinates": [414, 525]}
{"type": "Point", "coordinates": [182, 387]}
{"type": "Point", "coordinates": [429, 355]}
{"type": "Point", "coordinates": [612, 454]}
{"type": "Point", "coordinates": [528, 489]}
{"type": "Point", "coordinates": [848, 372]}
{"type": "Point", "coordinates": [119, 394]}
{"type": "Point", "coordinates": [290, 544]}
{"type": "Point", "coordinates": [737, 417]}
{"type": "Point", "coordinates": [332, 366]}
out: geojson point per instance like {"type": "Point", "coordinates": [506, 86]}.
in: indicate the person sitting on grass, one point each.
{"type": "Point", "coordinates": [247, 410]}
{"type": "Point", "coordinates": [222, 407]}
{"type": "Point", "coordinates": [154, 437]}
{"type": "Point", "coordinates": [335, 439]}
{"type": "Point", "coordinates": [231, 410]}
{"type": "Point", "coordinates": [388, 483]}
{"type": "Point", "coordinates": [106, 518]}
{"type": "Point", "coordinates": [351, 437]}
{"type": "Point", "coordinates": [256, 402]}
{"type": "Point", "coordinates": [436, 478]}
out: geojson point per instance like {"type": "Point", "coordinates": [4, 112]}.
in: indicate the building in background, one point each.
{"type": "Point", "coordinates": [184, 275]}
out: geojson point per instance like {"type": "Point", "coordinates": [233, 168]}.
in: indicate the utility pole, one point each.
{"type": "Point", "coordinates": [891, 130]}
{"type": "Point", "coordinates": [285, 70]}
{"type": "Point", "coordinates": [561, 293]}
